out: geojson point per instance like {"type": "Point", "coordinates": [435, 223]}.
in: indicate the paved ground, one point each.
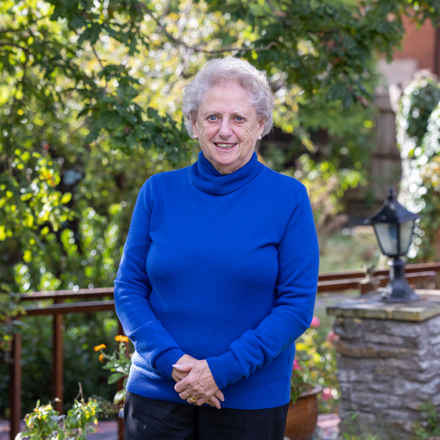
{"type": "Point", "coordinates": [327, 429]}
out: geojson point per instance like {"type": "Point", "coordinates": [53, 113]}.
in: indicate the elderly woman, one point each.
{"type": "Point", "coordinates": [218, 275]}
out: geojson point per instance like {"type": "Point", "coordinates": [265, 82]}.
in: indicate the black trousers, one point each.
{"type": "Point", "coordinates": [149, 419]}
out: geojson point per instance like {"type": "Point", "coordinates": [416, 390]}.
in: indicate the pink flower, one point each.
{"type": "Point", "coordinates": [315, 322]}
{"type": "Point", "coordinates": [332, 337]}
{"type": "Point", "coordinates": [296, 365]}
{"type": "Point", "coordinates": [327, 394]}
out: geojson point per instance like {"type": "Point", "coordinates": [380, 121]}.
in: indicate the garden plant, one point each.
{"type": "Point", "coordinates": [117, 362]}
{"type": "Point", "coordinates": [45, 423]}
{"type": "Point", "coordinates": [418, 122]}
{"type": "Point", "coordinates": [315, 364]}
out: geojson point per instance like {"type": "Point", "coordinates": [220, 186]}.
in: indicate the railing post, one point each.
{"type": "Point", "coordinates": [58, 360]}
{"type": "Point", "coordinates": [366, 286]}
{"type": "Point", "coordinates": [120, 385]}
{"type": "Point", "coordinates": [15, 387]}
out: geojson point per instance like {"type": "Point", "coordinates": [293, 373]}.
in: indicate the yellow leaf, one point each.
{"type": "Point", "coordinates": [28, 221]}
{"type": "Point", "coordinates": [173, 16]}
{"type": "Point", "coordinates": [2, 233]}
{"type": "Point", "coordinates": [66, 198]}
{"type": "Point", "coordinates": [4, 95]}
{"type": "Point", "coordinates": [316, 357]}
{"type": "Point", "coordinates": [27, 256]}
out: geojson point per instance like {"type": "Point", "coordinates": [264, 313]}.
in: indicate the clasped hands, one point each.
{"type": "Point", "coordinates": [195, 383]}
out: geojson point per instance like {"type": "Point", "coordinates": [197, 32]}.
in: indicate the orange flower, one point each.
{"type": "Point", "coordinates": [101, 357]}
{"type": "Point", "coordinates": [99, 347]}
{"type": "Point", "coordinates": [121, 338]}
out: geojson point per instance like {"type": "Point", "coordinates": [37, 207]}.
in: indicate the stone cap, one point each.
{"type": "Point", "coordinates": [371, 306]}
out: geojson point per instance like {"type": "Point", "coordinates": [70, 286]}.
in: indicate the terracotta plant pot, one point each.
{"type": "Point", "coordinates": [302, 417]}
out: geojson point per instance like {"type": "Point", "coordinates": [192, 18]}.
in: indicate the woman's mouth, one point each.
{"type": "Point", "coordinates": [224, 146]}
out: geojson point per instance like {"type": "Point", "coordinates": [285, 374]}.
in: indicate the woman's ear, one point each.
{"type": "Point", "coordinates": [195, 129]}
{"type": "Point", "coordinates": [261, 123]}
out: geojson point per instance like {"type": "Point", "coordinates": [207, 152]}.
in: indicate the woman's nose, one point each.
{"type": "Point", "coordinates": [225, 128]}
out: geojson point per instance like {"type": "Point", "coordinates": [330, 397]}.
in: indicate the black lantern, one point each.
{"type": "Point", "coordinates": [394, 228]}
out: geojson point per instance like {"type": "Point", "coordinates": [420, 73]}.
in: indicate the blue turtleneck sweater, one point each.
{"type": "Point", "coordinates": [224, 268]}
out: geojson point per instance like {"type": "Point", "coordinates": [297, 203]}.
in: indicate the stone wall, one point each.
{"type": "Point", "coordinates": [387, 368]}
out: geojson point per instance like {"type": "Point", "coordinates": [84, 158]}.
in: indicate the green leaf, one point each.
{"type": "Point", "coordinates": [113, 378]}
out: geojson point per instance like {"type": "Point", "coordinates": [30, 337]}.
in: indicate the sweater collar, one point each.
{"type": "Point", "coordinates": [207, 179]}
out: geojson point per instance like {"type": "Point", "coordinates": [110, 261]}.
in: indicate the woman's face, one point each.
{"type": "Point", "coordinates": [227, 126]}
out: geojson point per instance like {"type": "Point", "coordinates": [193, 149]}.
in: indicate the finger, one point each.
{"type": "Point", "coordinates": [183, 367]}
{"type": "Point", "coordinates": [213, 401]}
{"type": "Point", "coordinates": [202, 400]}
{"type": "Point", "coordinates": [219, 395]}
{"type": "Point", "coordinates": [186, 395]}
{"type": "Point", "coordinates": [182, 385]}
{"type": "Point", "coordinates": [178, 375]}
{"type": "Point", "coordinates": [213, 405]}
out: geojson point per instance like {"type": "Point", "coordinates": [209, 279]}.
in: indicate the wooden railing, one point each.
{"type": "Point", "coordinates": [86, 301]}
{"type": "Point", "coordinates": [94, 300]}
{"type": "Point", "coordinates": [358, 280]}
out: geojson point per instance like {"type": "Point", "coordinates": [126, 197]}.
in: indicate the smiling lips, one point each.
{"type": "Point", "coordinates": [224, 146]}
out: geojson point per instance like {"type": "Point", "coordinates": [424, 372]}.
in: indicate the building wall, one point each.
{"type": "Point", "coordinates": [418, 43]}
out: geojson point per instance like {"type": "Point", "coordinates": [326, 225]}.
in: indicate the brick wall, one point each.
{"type": "Point", "coordinates": [418, 43]}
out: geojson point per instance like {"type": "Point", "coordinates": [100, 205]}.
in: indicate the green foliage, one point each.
{"type": "Point", "coordinates": [419, 140]}
{"type": "Point", "coordinates": [76, 143]}
{"type": "Point", "coordinates": [44, 423]}
{"type": "Point", "coordinates": [118, 363]}
{"type": "Point", "coordinates": [315, 364]}
{"type": "Point", "coordinates": [353, 429]}
{"type": "Point", "coordinates": [324, 47]}
{"type": "Point", "coordinates": [81, 333]}
{"type": "Point", "coordinates": [74, 102]}
{"type": "Point", "coordinates": [347, 436]}
{"type": "Point", "coordinates": [10, 307]}
{"type": "Point", "coordinates": [430, 427]}
{"type": "Point", "coordinates": [77, 140]}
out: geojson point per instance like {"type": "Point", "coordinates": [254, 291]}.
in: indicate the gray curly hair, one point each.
{"type": "Point", "coordinates": [229, 68]}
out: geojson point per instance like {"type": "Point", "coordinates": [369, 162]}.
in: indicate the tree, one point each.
{"type": "Point", "coordinates": [81, 89]}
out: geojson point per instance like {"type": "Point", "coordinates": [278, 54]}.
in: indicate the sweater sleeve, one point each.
{"type": "Point", "coordinates": [132, 290]}
{"type": "Point", "coordinates": [293, 307]}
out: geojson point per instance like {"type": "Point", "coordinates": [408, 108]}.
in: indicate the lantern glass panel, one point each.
{"type": "Point", "coordinates": [406, 230]}
{"type": "Point", "coordinates": [386, 234]}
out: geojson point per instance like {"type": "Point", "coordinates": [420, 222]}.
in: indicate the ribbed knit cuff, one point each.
{"type": "Point", "coordinates": [165, 361]}
{"type": "Point", "coordinates": [225, 369]}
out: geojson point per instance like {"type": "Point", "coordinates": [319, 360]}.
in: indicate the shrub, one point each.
{"type": "Point", "coordinates": [316, 365]}
{"type": "Point", "coordinates": [418, 133]}
{"type": "Point", "coordinates": [44, 423]}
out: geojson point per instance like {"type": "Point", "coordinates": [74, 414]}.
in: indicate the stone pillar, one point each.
{"type": "Point", "coordinates": [388, 363]}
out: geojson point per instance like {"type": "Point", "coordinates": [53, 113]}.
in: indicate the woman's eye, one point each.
{"type": "Point", "coordinates": [212, 118]}
{"type": "Point", "coordinates": [239, 118]}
